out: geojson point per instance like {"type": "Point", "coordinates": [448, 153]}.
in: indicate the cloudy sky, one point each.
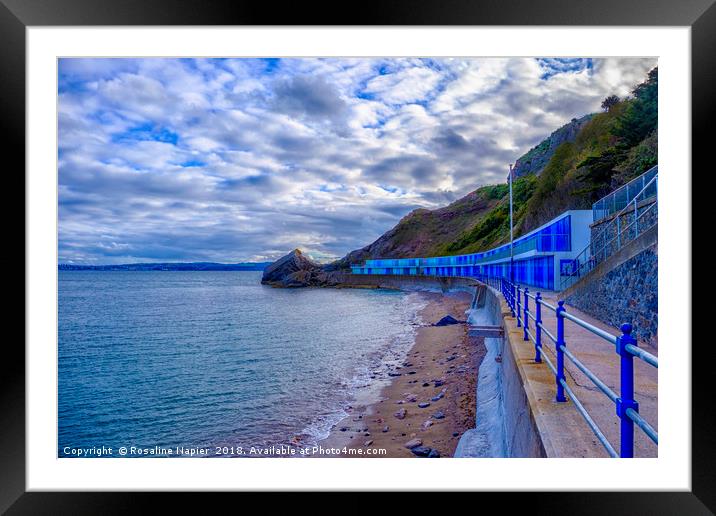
{"type": "Point", "coordinates": [245, 159]}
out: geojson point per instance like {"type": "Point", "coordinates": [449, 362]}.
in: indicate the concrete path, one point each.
{"type": "Point", "coordinates": [573, 437]}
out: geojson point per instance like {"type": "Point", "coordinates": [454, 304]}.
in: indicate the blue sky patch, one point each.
{"type": "Point", "coordinates": [192, 163]}
{"type": "Point", "coordinates": [147, 132]}
{"type": "Point", "coordinates": [554, 65]}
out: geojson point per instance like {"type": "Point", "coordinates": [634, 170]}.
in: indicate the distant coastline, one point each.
{"type": "Point", "coordinates": [169, 266]}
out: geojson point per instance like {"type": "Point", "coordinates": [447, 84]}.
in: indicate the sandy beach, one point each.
{"type": "Point", "coordinates": [430, 400]}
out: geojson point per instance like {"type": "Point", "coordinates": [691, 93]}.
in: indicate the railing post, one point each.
{"type": "Point", "coordinates": [626, 400]}
{"type": "Point", "coordinates": [636, 220]}
{"type": "Point", "coordinates": [508, 291]}
{"type": "Point", "coordinates": [538, 328]}
{"type": "Point", "coordinates": [560, 354]}
{"type": "Point", "coordinates": [519, 306]}
{"type": "Point", "coordinates": [526, 317]}
{"type": "Point", "coordinates": [511, 287]}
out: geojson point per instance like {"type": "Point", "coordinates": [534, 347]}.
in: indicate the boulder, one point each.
{"type": "Point", "coordinates": [447, 320]}
{"type": "Point", "coordinates": [425, 451]}
{"type": "Point", "coordinates": [413, 443]}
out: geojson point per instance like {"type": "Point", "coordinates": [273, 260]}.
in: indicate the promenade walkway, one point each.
{"type": "Point", "coordinates": [564, 431]}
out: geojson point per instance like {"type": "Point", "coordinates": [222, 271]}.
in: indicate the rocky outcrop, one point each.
{"type": "Point", "coordinates": [534, 161]}
{"type": "Point", "coordinates": [298, 270]}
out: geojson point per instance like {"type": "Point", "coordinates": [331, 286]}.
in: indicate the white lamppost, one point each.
{"type": "Point", "coordinates": [512, 268]}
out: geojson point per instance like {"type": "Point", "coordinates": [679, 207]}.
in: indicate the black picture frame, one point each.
{"type": "Point", "coordinates": [17, 15]}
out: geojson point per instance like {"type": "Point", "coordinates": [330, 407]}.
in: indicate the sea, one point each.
{"type": "Point", "coordinates": [214, 364]}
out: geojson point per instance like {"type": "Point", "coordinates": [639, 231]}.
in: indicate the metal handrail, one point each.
{"type": "Point", "coordinates": [596, 381]}
{"type": "Point", "coordinates": [628, 226]}
{"type": "Point", "coordinates": [552, 337]}
{"type": "Point", "coordinates": [644, 355]}
{"type": "Point", "coordinates": [625, 345]}
{"type": "Point", "coordinates": [641, 423]}
{"type": "Point", "coordinates": [545, 303]}
{"type": "Point", "coordinates": [592, 424]}
{"type": "Point", "coordinates": [601, 204]}
{"type": "Point", "coordinates": [584, 324]}
{"type": "Point", "coordinates": [582, 264]}
{"type": "Point", "coordinates": [615, 220]}
{"type": "Point", "coordinates": [577, 403]}
{"type": "Point", "coordinates": [624, 209]}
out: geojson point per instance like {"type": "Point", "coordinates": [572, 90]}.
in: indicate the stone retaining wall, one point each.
{"type": "Point", "coordinates": [626, 293]}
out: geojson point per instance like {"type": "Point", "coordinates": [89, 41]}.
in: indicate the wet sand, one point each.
{"type": "Point", "coordinates": [440, 369]}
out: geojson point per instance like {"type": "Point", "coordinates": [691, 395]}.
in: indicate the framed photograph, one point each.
{"type": "Point", "coordinates": [283, 250]}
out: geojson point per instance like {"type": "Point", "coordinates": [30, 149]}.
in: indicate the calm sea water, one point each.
{"type": "Point", "coordinates": [214, 359]}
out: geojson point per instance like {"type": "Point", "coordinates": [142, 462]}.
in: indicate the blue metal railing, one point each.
{"type": "Point", "coordinates": [493, 281]}
{"type": "Point", "coordinates": [623, 196]}
{"type": "Point", "coordinates": [614, 235]}
{"type": "Point", "coordinates": [627, 408]}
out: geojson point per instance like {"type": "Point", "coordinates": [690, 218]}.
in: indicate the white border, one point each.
{"type": "Point", "coordinates": [670, 471]}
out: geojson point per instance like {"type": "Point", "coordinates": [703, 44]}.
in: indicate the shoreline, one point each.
{"type": "Point", "coordinates": [440, 370]}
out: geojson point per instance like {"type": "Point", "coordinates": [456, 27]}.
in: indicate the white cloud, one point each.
{"type": "Point", "coordinates": [406, 85]}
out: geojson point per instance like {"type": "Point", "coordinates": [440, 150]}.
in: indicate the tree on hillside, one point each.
{"type": "Point", "coordinates": [641, 115]}
{"type": "Point", "coordinates": [609, 102]}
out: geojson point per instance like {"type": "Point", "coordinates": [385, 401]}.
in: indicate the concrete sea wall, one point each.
{"type": "Point", "coordinates": [505, 422]}
{"type": "Point", "coordinates": [522, 436]}
{"type": "Point", "coordinates": [505, 425]}
{"type": "Point", "coordinates": [487, 439]}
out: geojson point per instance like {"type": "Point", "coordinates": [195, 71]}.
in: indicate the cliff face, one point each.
{"type": "Point", "coordinates": [534, 161]}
